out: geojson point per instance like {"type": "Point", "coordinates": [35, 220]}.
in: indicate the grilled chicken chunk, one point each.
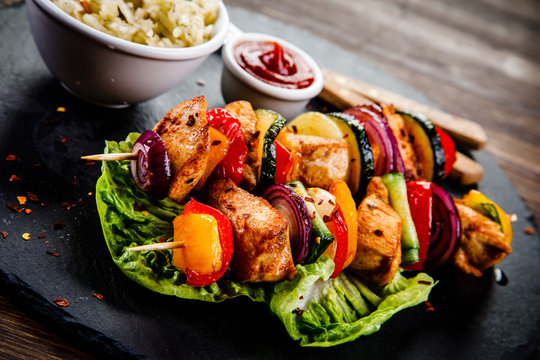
{"type": "Point", "coordinates": [396, 123]}
{"type": "Point", "coordinates": [262, 251]}
{"type": "Point", "coordinates": [378, 253]}
{"type": "Point", "coordinates": [184, 130]}
{"type": "Point", "coordinates": [248, 120]}
{"type": "Point", "coordinates": [482, 243]}
{"type": "Point", "coordinates": [324, 161]}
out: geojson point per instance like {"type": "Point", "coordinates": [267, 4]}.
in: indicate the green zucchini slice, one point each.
{"type": "Point", "coordinates": [426, 144]}
{"type": "Point", "coordinates": [269, 124]}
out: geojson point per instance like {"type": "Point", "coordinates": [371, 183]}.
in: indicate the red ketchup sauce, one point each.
{"type": "Point", "coordinates": [271, 63]}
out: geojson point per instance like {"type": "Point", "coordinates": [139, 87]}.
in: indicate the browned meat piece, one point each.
{"type": "Point", "coordinates": [262, 251]}
{"type": "Point", "coordinates": [482, 243]}
{"type": "Point", "coordinates": [324, 161]}
{"type": "Point", "coordinates": [248, 119]}
{"type": "Point", "coordinates": [377, 187]}
{"type": "Point", "coordinates": [378, 253]}
{"type": "Point", "coordinates": [396, 123]}
{"type": "Point", "coordinates": [184, 131]}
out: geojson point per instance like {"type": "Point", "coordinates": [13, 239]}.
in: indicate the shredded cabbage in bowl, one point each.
{"type": "Point", "coordinates": [160, 23]}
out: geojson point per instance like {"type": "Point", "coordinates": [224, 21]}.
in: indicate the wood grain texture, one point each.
{"type": "Point", "coordinates": [476, 59]}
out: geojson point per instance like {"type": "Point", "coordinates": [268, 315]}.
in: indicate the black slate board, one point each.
{"type": "Point", "coordinates": [474, 318]}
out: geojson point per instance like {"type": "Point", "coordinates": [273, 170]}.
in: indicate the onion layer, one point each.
{"type": "Point", "coordinates": [293, 208]}
{"type": "Point", "coordinates": [151, 170]}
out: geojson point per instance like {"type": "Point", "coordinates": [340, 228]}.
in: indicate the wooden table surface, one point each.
{"type": "Point", "coordinates": [476, 59]}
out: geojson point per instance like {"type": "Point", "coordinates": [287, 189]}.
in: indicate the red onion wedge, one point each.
{"type": "Point", "coordinates": [293, 208]}
{"type": "Point", "coordinates": [151, 170]}
{"type": "Point", "coordinates": [445, 229]}
{"type": "Point", "coordinates": [379, 134]}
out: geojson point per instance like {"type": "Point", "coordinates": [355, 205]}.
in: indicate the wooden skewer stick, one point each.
{"type": "Point", "coordinates": [109, 157]}
{"type": "Point", "coordinates": [343, 91]}
{"type": "Point", "coordinates": [157, 246]}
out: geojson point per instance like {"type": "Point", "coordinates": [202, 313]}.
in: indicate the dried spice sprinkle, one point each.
{"type": "Point", "coordinates": [98, 295]}
{"type": "Point", "coordinates": [14, 178]}
{"type": "Point", "coordinates": [26, 236]}
{"type": "Point", "coordinates": [4, 234]}
{"type": "Point", "coordinates": [61, 109]}
{"type": "Point", "coordinates": [52, 253]}
{"type": "Point", "coordinates": [61, 302]}
{"type": "Point", "coordinates": [32, 196]}
{"type": "Point", "coordinates": [529, 230]}
{"type": "Point", "coordinates": [21, 199]}
{"type": "Point", "coordinates": [11, 157]}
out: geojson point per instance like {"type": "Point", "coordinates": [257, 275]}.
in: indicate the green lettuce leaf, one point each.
{"type": "Point", "coordinates": [316, 310]}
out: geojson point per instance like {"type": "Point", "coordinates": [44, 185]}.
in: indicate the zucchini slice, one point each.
{"type": "Point", "coordinates": [361, 165]}
{"type": "Point", "coordinates": [269, 124]}
{"type": "Point", "coordinates": [321, 237]}
{"type": "Point", "coordinates": [426, 144]}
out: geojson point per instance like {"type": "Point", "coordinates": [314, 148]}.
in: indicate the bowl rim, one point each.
{"type": "Point", "coordinates": [114, 43]}
{"type": "Point", "coordinates": [275, 91]}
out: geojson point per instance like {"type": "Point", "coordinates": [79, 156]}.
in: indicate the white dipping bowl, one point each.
{"type": "Point", "coordinates": [107, 70]}
{"type": "Point", "coordinates": [237, 84]}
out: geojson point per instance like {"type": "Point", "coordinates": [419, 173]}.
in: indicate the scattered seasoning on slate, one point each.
{"type": "Point", "coordinates": [64, 140]}
{"type": "Point", "coordinates": [61, 109]}
{"type": "Point", "coordinates": [37, 164]}
{"type": "Point", "coordinates": [14, 178]}
{"type": "Point", "coordinates": [21, 199]}
{"type": "Point", "coordinates": [428, 307]}
{"type": "Point", "coordinates": [58, 225]}
{"type": "Point", "coordinates": [80, 202]}
{"type": "Point", "coordinates": [61, 302]}
{"type": "Point", "coordinates": [41, 236]}
{"type": "Point", "coordinates": [90, 162]}
{"type": "Point", "coordinates": [52, 253]}
{"type": "Point", "coordinates": [4, 234]}
{"type": "Point", "coordinates": [27, 211]}
{"type": "Point", "coordinates": [13, 207]}
{"type": "Point", "coordinates": [90, 193]}
{"type": "Point", "coordinates": [32, 196]}
{"type": "Point", "coordinates": [529, 230]}
{"type": "Point", "coordinates": [11, 157]}
{"type": "Point", "coordinates": [26, 236]}
{"type": "Point", "coordinates": [98, 295]}
{"type": "Point", "coordinates": [66, 205]}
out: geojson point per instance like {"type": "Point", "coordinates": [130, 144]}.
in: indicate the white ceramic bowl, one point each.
{"type": "Point", "coordinates": [107, 70]}
{"type": "Point", "coordinates": [237, 84]}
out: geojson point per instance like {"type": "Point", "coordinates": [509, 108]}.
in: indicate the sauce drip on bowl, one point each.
{"type": "Point", "coordinates": [271, 63]}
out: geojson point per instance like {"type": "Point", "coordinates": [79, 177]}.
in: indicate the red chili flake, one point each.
{"type": "Point", "coordinates": [216, 142]}
{"type": "Point", "coordinates": [295, 129]}
{"type": "Point", "coordinates": [74, 183]}
{"type": "Point", "coordinates": [229, 206]}
{"type": "Point", "coordinates": [10, 157]}
{"type": "Point", "coordinates": [529, 230]}
{"type": "Point", "coordinates": [14, 178]}
{"type": "Point", "coordinates": [37, 164]}
{"type": "Point", "coordinates": [41, 236]}
{"type": "Point", "coordinates": [90, 162]}
{"type": "Point", "coordinates": [190, 180]}
{"type": "Point", "coordinates": [301, 297]}
{"type": "Point", "coordinates": [32, 196]}
{"type": "Point", "coordinates": [80, 202]}
{"type": "Point", "coordinates": [345, 136]}
{"type": "Point", "coordinates": [298, 311]}
{"type": "Point", "coordinates": [327, 218]}
{"type": "Point", "coordinates": [4, 234]}
{"type": "Point", "coordinates": [161, 240]}
{"type": "Point", "coordinates": [61, 302]}
{"type": "Point", "coordinates": [378, 232]}
{"type": "Point", "coordinates": [66, 205]}
{"type": "Point", "coordinates": [52, 253]}
{"type": "Point", "coordinates": [331, 202]}
{"type": "Point", "coordinates": [13, 207]}
{"type": "Point", "coordinates": [320, 202]}
{"type": "Point", "coordinates": [27, 211]}
{"type": "Point", "coordinates": [191, 120]}
{"type": "Point", "coordinates": [353, 160]}
{"type": "Point", "coordinates": [64, 140]}
{"type": "Point", "coordinates": [308, 199]}
{"type": "Point", "coordinates": [58, 225]}
{"type": "Point", "coordinates": [423, 282]}
{"type": "Point", "coordinates": [98, 295]}
{"type": "Point", "coordinates": [428, 307]}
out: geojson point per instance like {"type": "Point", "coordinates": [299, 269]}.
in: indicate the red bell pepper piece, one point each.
{"type": "Point", "coordinates": [338, 228]}
{"type": "Point", "coordinates": [420, 197]}
{"type": "Point", "coordinates": [232, 166]}
{"type": "Point", "coordinates": [284, 161]}
{"type": "Point", "coordinates": [225, 240]}
{"type": "Point", "coordinates": [449, 149]}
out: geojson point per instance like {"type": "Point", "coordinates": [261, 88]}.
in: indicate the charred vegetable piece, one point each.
{"type": "Point", "coordinates": [293, 208]}
{"type": "Point", "coordinates": [321, 237]}
{"type": "Point", "coordinates": [426, 144]}
{"type": "Point", "coordinates": [445, 229]}
{"type": "Point", "coordinates": [397, 191]}
{"type": "Point", "coordinates": [151, 170]}
{"type": "Point", "coordinates": [269, 124]}
{"type": "Point", "coordinates": [208, 238]}
{"type": "Point", "coordinates": [232, 166]}
{"type": "Point", "coordinates": [449, 149]}
{"type": "Point", "coordinates": [360, 153]}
